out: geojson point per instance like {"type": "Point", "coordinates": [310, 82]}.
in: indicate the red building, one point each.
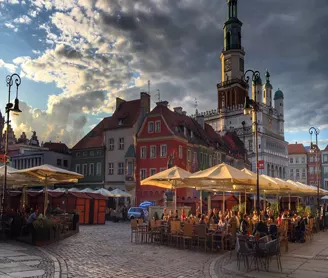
{"type": "Point", "coordinates": [168, 136]}
{"type": "Point", "coordinates": [314, 166]}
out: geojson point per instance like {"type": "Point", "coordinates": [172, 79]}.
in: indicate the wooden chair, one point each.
{"type": "Point", "coordinates": [134, 230]}
{"type": "Point", "coordinates": [176, 234]}
{"type": "Point", "coordinates": [201, 236]}
{"type": "Point", "coordinates": [309, 229]}
{"type": "Point", "coordinates": [187, 234]}
{"type": "Point", "coordinates": [283, 234]}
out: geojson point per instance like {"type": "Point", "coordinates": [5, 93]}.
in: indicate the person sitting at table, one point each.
{"type": "Point", "coordinates": [215, 216]}
{"type": "Point", "coordinates": [164, 215]}
{"type": "Point", "coordinates": [183, 215]}
{"type": "Point", "coordinates": [171, 215]}
{"type": "Point", "coordinates": [244, 225]}
{"type": "Point", "coordinates": [202, 220]}
{"type": "Point", "coordinates": [261, 228]}
{"type": "Point", "coordinates": [255, 217]}
{"type": "Point", "coordinates": [285, 215]}
{"type": "Point", "coordinates": [176, 215]}
{"type": "Point", "coordinates": [222, 223]}
{"type": "Point", "coordinates": [33, 216]}
{"type": "Point", "coordinates": [300, 230]}
{"type": "Point", "coordinates": [279, 219]}
{"type": "Point", "coordinates": [198, 213]}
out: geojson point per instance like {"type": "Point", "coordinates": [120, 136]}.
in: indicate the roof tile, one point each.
{"type": "Point", "coordinates": [296, 149]}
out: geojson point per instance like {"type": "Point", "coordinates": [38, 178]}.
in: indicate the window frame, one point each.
{"type": "Point", "coordinates": [154, 147]}
{"type": "Point", "coordinates": [120, 143]}
{"type": "Point", "coordinates": [180, 151]}
{"type": "Point", "coordinates": [98, 165]}
{"type": "Point", "coordinates": [189, 156]}
{"type": "Point", "coordinates": [110, 169]}
{"type": "Point", "coordinates": [151, 123]}
{"type": "Point", "coordinates": [78, 168]}
{"type": "Point", "coordinates": [158, 124]}
{"type": "Point", "coordinates": [91, 173]}
{"type": "Point", "coordinates": [120, 168]}
{"type": "Point", "coordinates": [85, 166]}
{"type": "Point", "coordinates": [111, 144]}
{"type": "Point", "coordinates": [141, 176]}
{"type": "Point", "coordinates": [161, 150]}
{"type": "Point", "coordinates": [141, 152]}
{"type": "Point", "coordinates": [151, 170]}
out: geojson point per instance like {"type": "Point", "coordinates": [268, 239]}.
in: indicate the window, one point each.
{"type": "Point", "coordinates": [143, 152]}
{"type": "Point", "coordinates": [180, 152]}
{"type": "Point", "coordinates": [92, 153]}
{"type": "Point", "coordinates": [291, 160]}
{"type": "Point", "coordinates": [121, 143]}
{"type": "Point", "coordinates": [210, 161]}
{"type": "Point", "coordinates": [195, 157]}
{"type": "Point", "coordinates": [129, 169]}
{"type": "Point", "coordinates": [91, 169]}
{"type": "Point", "coordinates": [201, 158]}
{"type": "Point", "coordinates": [65, 163]}
{"type": "Point", "coordinates": [303, 174]}
{"type": "Point", "coordinates": [291, 173]}
{"type": "Point", "coordinates": [110, 168]}
{"type": "Point", "coordinates": [162, 169]}
{"type": "Point", "coordinates": [158, 126]}
{"type": "Point", "coordinates": [250, 145]}
{"type": "Point", "coordinates": [311, 170]}
{"type": "Point", "coordinates": [120, 170]}
{"type": "Point", "coordinates": [297, 160]}
{"type": "Point", "coordinates": [59, 162]}
{"type": "Point", "coordinates": [152, 171]}
{"type": "Point", "coordinates": [143, 174]}
{"type": "Point", "coordinates": [99, 153]}
{"type": "Point", "coordinates": [85, 169]}
{"type": "Point", "coordinates": [85, 153]}
{"type": "Point", "coordinates": [297, 173]}
{"type": "Point", "coordinates": [78, 168]}
{"type": "Point", "coordinates": [163, 150]}
{"type": "Point", "coordinates": [205, 159]}
{"type": "Point", "coordinates": [150, 127]}
{"type": "Point", "coordinates": [98, 168]}
{"type": "Point", "coordinates": [325, 158]}
{"type": "Point", "coordinates": [152, 151]}
{"type": "Point", "coordinates": [303, 160]}
{"type": "Point", "coordinates": [189, 155]}
{"type": "Point", "coordinates": [77, 154]}
{"type": "Point", "coordinates": [111, 144]}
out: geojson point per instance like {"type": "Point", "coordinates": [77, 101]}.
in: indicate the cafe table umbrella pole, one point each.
{"type": "Point", "coordinates": [45, 195]}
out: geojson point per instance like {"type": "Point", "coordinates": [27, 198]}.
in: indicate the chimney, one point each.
{"type": "Point", "coordinates": [184, 113]}
{"type": "Point", "coordinates": [163, 103]}
{"type": "Point", "coordinates": [178, 110]}
{"type": "Point", "coordinates": [200, 119]}
{"type": "Point", "coordinates": [145, 102]}
{"type": "Point", "coordinates": [119, 101]}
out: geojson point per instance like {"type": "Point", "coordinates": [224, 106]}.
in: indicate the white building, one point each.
{"type": "Point", "coordinates": [120, 142]}
{"type": "Point", "coordinates": [232, 92]}
{"type": "Point", "coordinates": [297, 163]}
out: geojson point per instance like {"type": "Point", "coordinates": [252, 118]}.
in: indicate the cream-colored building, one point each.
{"type": "Point", "coordinates": [297, 163]}
{"type": "Point", "coordinates": [120, 143]}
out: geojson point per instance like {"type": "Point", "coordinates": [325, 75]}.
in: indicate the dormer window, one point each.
{"type": "Point", "coordinates": [120, 122]}
{"type": "Point", "coordinates": [150, 127]}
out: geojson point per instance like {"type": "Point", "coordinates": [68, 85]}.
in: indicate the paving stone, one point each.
{"type": "Point", "coordinates": [30, 273]}
{"type": "Point", "coordinates": [31, 263]}
{"type": "Point", "coordinates": [24, 258]}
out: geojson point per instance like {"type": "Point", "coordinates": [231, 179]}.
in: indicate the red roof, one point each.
{"type": "Point", "coordinates": [56, 147]}
{"type": "Point", "coordinates": [177, 121]}
{"type": "Point", "coordinates": [296, 149]}
{"type": "Point", "coordinates": [125, 116]}
{"type": "Point", "coordinates": [326, 149]}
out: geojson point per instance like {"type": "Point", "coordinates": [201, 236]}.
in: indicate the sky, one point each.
{"type": "Point", "coordinates": [76, 57]}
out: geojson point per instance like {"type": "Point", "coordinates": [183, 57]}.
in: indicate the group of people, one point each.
{"type": "Point", "coordinates": [256, 224]}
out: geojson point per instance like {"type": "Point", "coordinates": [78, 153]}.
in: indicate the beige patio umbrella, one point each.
{"type": "Point", "coordinates": [171, 178]}
{"type": "Point", "coordinates": [52, 174]}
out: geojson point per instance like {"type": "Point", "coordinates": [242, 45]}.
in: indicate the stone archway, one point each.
{"type": "Point", "coordinates": [277, 172]}
{"type": "Point", "coordinates": [280, 173]}
{"type": "Point", "coordinates": [272, 171]}
{"type": "Point", "coordinates": [268, 169]}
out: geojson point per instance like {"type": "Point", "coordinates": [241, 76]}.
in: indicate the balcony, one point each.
{"type": "Point", "coordinates": [233, 81]}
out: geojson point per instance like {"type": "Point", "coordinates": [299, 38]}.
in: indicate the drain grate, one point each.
{"type": "Point", "coordinates": [321, 258]}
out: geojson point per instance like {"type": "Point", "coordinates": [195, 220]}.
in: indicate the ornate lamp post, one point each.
{"type": "Point", "coordinates": [316, 131]}
{"type": "Point", "coordinates": [10, 80]}
{"type": "Point", "coordinates": [249, 107]}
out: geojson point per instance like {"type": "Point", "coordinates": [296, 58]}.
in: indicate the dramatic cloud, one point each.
{"type": "Point", "coordinates": [116, 46]}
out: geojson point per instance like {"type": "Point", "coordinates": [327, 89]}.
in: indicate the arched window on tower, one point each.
{"type": "Point", "coordinates": [228, 39]}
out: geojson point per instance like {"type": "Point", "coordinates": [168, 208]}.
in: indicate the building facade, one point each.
{"type": "Point", "coordinates": [120, 143]}
{"type": "Point", "coordinates": [229, 116]}
{"type": "Point", "coordinates": [171, 138]}
{"type": "Point", "coordinates": [314, 166]}
{"type": "Point", "coordinates": [324, 159]}
{"type": "Point", "coordinates": [297, 163]}
{"type": "Point", "coordinates": [88, 157]}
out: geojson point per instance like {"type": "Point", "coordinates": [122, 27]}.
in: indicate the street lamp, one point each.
{"type": "Point", "coordinates": [10, 80]}
{"type": "Point", "coordinates": [316, 131]}
{"type": "Point", "coordinates": [249, 106]}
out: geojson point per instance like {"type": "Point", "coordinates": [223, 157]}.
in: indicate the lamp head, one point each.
{"type": "Point", "coordinates": [16, 109]}
{"type": "Point", "coordinates": [247, 107]}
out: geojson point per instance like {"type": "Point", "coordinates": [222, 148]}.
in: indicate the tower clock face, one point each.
{"type": "Point", "coordinates": [227, 64]}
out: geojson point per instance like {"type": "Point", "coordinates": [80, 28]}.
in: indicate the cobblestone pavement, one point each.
{"type": "Point", "coordinates": [22, 260]}
{"type": "Point", "coordinates": [106, 251]}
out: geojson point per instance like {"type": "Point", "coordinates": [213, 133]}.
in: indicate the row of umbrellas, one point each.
{"type": "Point", "coordinates": [116, 193]}
{"type": "Point", "coordinates": [225, 178]}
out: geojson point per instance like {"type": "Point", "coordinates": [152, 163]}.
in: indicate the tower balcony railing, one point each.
{"type": "Point", "coordinates": [233, 47]}
{"type": "Point", "coordinates": [233, 81]}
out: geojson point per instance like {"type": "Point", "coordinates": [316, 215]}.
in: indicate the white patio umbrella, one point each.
{"type": "Point", "coordinates": [49, 173]}
{"type": "Point", "coordinates": [104, 192]}
{"type": "Point", "coordinates": [120, 193]}
{"type": "Point", "coordinates": [87, 190]}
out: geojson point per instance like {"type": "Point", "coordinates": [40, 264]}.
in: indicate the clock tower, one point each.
{"type": "Point", "coordinates": [232, 90]}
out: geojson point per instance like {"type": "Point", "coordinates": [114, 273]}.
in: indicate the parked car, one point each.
{"type": "Point", "coordinates": [135, 213]}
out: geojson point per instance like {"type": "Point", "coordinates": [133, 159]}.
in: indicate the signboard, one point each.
{"type": "Point", "coordinates": [260, 164]}
{"type": "Point", "coordinates": [2, 158]}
